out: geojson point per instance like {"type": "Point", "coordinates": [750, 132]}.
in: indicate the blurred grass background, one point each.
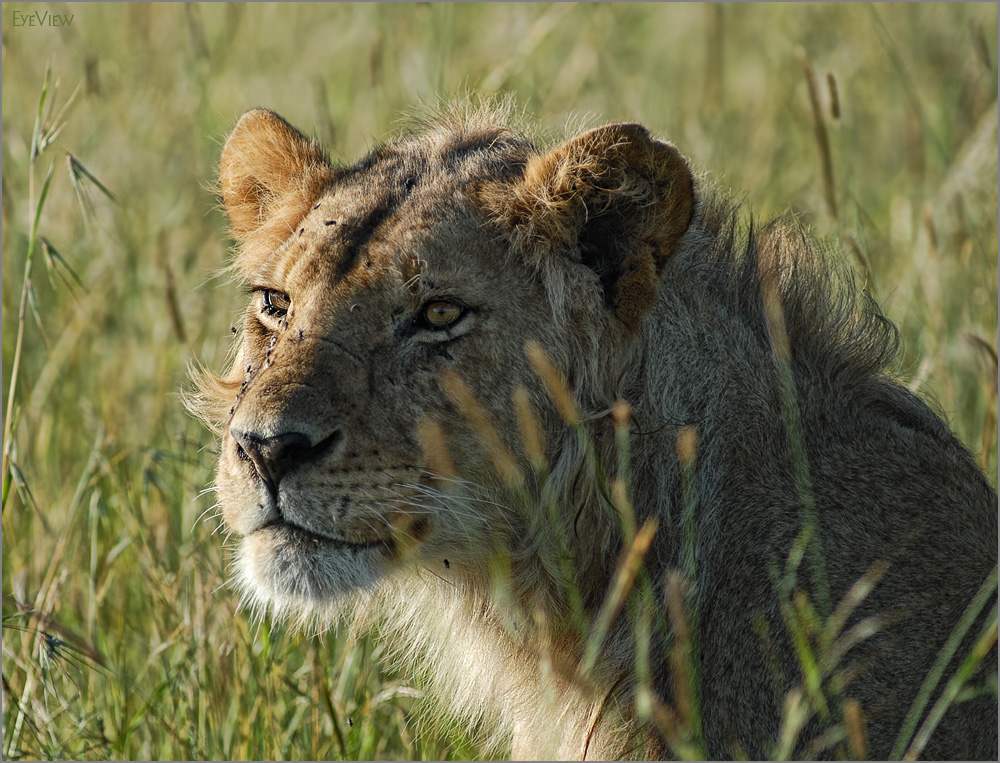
{"type": "Point", "coordinates": [120, 638]}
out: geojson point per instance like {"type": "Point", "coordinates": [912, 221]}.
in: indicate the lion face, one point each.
{"type": "Point", "coordinates": [320, 462]}
{"type": "Point", "coordinates": [390, 304]}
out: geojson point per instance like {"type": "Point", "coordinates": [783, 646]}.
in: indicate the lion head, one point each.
{"type": "Point", "coordinates": [384, 344]}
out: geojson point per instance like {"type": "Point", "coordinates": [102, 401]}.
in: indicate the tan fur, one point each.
{"type": "Point", "coordinates": [388, 472]}
{"type": "Point", "coordinates": [270, 175]}
{"type": "Point", "coordinates": [609, 169]}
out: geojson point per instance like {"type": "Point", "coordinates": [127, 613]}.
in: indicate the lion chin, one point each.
{"type": "Point", "coordinates": [585, 448]}
{"type": "Point", "coordinates": [299, 575]}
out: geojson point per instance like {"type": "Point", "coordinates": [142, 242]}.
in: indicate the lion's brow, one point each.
{"type": "Point", "coordinates": [391, 177]}
{"type": "Point", "coordinates": [357, 236]}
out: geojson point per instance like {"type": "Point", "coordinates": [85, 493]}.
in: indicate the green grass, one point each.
{"type": "Point", "coordinates": [120, 637]}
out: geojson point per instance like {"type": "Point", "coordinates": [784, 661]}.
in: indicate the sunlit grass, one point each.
{"type": "Point", "coordinates": [120, 637]}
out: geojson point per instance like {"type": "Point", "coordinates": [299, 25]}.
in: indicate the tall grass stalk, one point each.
{"type": "Point", "coordinates": [985, 594]}
{"type": "Point", "coordinates": [36, 149]}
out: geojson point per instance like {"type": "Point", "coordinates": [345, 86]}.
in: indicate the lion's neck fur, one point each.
{"type": "Point", "coordinates": [510, 684]}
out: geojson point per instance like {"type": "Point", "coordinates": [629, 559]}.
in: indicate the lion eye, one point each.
{"type": "Point", "coordinates": [440, 315]}
{"type": "Point", "coordinates": [274, 303]}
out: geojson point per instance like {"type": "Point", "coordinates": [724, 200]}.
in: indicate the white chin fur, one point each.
{"type": "Point", "coordinates": [297, 579]}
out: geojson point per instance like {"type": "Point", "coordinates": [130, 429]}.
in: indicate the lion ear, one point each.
{"type": "Point", "coordinates": [269, 174]}
{"type": "Point", "coordinates": [612, 198]}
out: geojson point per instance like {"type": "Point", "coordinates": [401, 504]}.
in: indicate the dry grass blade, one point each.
{"type": "Point", "coordinates": [473, 412]}
{"type": "Point", "coordinates": [793, 719]}
{"type": "Point", "coordinates": [851, 601]}
{"type": "Point", "coordinates": [821, 134]}
{"type": "Point", "coordinates": [854, 724]}
{"type": "Point", "coordinates": [530, 428]}
{"type": "Point", "coordinates": [687, 450]}
{"type": "Point", "coordinates": [621, 417]}
{"type": "Point", "coordinates": [435, 447]}
{"type": "Point", "coordinates": [680, 652]}
{"type": "Point", "coordinates": [623, 505]}
{"type": "Point", "coordinates": [831, 85]}
{"type": "Point", "coordinates": [687, 445]}
{"type": "Point", "coordinates": [554, 381]}
{"type": "Point", "coordinates": [628, 567]}
{"type": "Point", "coordinates": [173, 302]}
{"type": "Point", "coordinates": [674, 731]}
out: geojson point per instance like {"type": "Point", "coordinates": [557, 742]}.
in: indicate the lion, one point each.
{"type": "Point", "coordinates": [608, 467]}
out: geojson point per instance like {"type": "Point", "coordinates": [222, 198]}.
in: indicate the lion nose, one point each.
{"type": "Point", "coordinates": [273, 457]}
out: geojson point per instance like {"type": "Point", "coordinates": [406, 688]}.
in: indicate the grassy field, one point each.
{"type": "Point", "coordinates": [121, 639]}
